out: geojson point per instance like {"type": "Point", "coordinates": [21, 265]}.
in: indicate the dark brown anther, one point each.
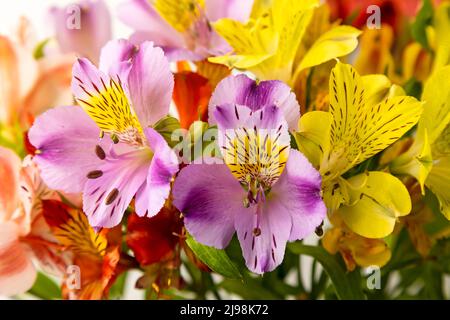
{"type": "Point", "coordinates": [100, 152]}
{"type": "Point", "coordinates": [112, 196]}
{"type": "Point", "coordinates": [94, 174]}
{"type": "Point", "coordinates": [257, 232]}
{"type": "Point", "coordinates": [319, 230]}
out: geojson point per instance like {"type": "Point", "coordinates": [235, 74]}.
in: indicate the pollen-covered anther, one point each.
{"type": "Point", "coordinates": [257, 232]}
{"type": "Point", "coordinates": [112, 196]}
{"type": "Point", "coordinates": [94, 174]}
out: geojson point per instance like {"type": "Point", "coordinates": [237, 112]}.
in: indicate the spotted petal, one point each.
{"type": "Point", "coordinates": [247, 92]}
{"type": "Point", "coordinates": [66, 138]}
{"type": "Point", "coordinates": [112, 185]}
{"type": "Point", "coordinates": [253, 144]}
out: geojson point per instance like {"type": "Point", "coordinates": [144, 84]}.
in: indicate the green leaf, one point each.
{"type": "Point", "coordinates": [118, 288]}
{"type": "Point", "coordinates": [346, 284]}
{"type": "Point", "coordinates": [45, 288]}
{"type": "Point", "coordinates": [424, 18]}
{"type": "Point", "coordinates": [166, 126]}
{"type": "Point", "coordinates": [217, 260]}
{"type": "Point", "coordinates": [249, 289]}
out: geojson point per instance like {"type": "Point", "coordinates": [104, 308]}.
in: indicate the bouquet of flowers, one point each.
{"type": "Point", "coordinates": [255, 149]}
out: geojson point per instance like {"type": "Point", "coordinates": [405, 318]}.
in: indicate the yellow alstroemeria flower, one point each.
{"type": "Point", "coordinates": [365, 116]}
{"type": "Point", "coordinates": [428, 159]}
{"type": "Point", "coordinates": [268, 43]}
{"type": "Point", "coordinates": [355, 249]}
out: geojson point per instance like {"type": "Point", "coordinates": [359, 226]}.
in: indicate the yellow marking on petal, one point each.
{"type": "Point", "coordinates": [180, 14]}
{"type": "Point", "coordinates": [110, 108]}
{"type": "Point", "coordinates": [77, 235]}
{"type": "Point", "coordinates": [360, 130]}
{"type": "Point", "coordinates": [255, 156]}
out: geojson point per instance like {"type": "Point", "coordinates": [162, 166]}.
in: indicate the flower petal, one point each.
{"type": "Point", "coordinates": [66, 138]}
{"type": "Point", "coordinates": [245, 91]}
{"type": "Point", "coordinates": [151, 84]}
{"type": "Point", "coordinates": [263, 236]}
{"type": "Point", "coordinates": [142, 17]}
{"type": "Point", "coordinates": [115, 57]}
{"type": "Point", "coordinates": [153, 194]}
{"type": "Point", "coordinates": [234, 9]}
{"type": "Point", "coordinates": [298, 192]}
{"type": "Point", "coordinates": [17, 273]}
{"type": "Point", "coordinates": [9, 171]}
{"type": "Point", "coordinates": [105, 99]}
{"type": "Point", "coordinates": [112, 185]}
{"type": "Point", "coordinates": [93, 31]}
{"type": "Point", "coordinates": [210, 198]}
{"type": "Point", "coordinates": [254, 144]}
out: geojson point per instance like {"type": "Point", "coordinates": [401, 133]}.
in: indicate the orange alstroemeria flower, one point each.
{"type": "Point", "coordinates": [24, 235]}
{"type": "Point", "coordinates": [29, 86]}
{"type": "Point", "coordinates": [96, 255]}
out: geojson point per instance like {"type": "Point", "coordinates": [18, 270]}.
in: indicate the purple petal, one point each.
{"type": "Point", "coordinates": [231, 119]}
{"type": "Point", "coordinates": [245, 91]}
{"type": "Point", "coordinates": [151, 84]}
{"type": "Point", "coordinates": [66, 138]}
{"type": "Point", "coordinates": [107, 195]}
{"type": "Point", "coordinates": [298, 191]}
{"type": "Point", "coordinates": [210, 198]}
{"type": "Point", "coordinates": [263, 242]}
{"type": "Point", "coordinates": [115, 58]}
{"type": "Point", "coordinates": [93, 32]}
{"type": "Point", "coordinates": [153, 194]}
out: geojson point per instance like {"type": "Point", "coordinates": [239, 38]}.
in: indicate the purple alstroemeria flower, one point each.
{"type": "Point", "coordinates": [266, 192]}
{"type": "Point", "coordinates": [83, 27]}
{"type": "Point", "coordinates": [182, 27]}
{"type": "Point", "coordinates": [106, 148]}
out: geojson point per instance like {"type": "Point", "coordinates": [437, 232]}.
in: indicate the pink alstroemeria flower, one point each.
{"type": "Point", "coordinates": [183, 27]}
{"type": "Point", "coordinates": [122, 99]}
{"type": "Point", "coordinates": [82, 28]}
{"type": "Point", "coordinates": [266, 192]}
{"type": "Point", "coordinates": [25, 237]}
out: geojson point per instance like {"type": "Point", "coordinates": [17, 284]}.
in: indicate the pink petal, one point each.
{"type": "Point", "coordinates": [142, 17]}
{"type": "Point", "coordinates": [17, 273]}
{"type": "Point", "coordinates": [234, 9]}
{"type": "Point", "coordinates": [93, 32]}
{"type": "Point", "coordinates": [66, 138]}
{"type": "Point", "coordinates": [105, 198]}
{"type": "Point", "coordinates": [115, 58]}
{"type": "Point", "coordinates": [9, 172]}
{"type": "Point", "coordinates": [153, 194]}
{"type": "Point", "coordinates": [151, 84]}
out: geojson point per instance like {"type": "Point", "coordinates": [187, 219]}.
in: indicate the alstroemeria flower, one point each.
{"type": "Point", "coordinates": [182, 27]}
{"type": "Point", "coordinates": [83, 27]}
{"type": "Point", "coordinates": [266, 192]}
{"type": "Point", "coordinates": [366, 115]}
{"type": "Point", "coordinates": [29, 86]}
{"type": "Point", "coordinates": [96, 255]}
{"type": "Point", "coordinates": [120, 101]}
{"type": "Point", "coordinates": [428, 157]}
{"type": "Point", "coordinates": [24, 235]}
{"type": "Point", "coordinates": [276, 43]}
